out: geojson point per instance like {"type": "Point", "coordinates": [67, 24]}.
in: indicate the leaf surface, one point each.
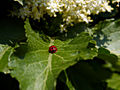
{"type": "Point", "coordinates": [39, 69]}
{"type": "Point", "coordinates": [108, 36]}
{"type": "Point", "coordinates": [114, 82]}
{"type": "Point", "coordinates": [88, 75]}
{"type": "Point", "coordinates": [5, 53]}
{"type": "Point", "coordinates": [68, 82]}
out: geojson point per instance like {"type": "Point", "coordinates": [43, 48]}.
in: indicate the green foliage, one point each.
{"type": "Point", "coordinates": [89, 75]}
{"type": "Point", "coordinates": [86, 59]}
{"type": "Point", "coordinates": [107, 36]}
{"type": "Point", "coordinates": [68, 83]}
{"type": "Point", "coordinates": [114, 82]}
{"type": "Point", "coordinates": [39, 68]}
{"type": "Point", "coordinates": [5, 53]}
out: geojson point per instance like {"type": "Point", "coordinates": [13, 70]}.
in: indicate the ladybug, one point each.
{"type": "Point", "coordinates": [52, 49]}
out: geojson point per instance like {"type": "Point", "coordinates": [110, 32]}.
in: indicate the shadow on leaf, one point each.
{"type": "Point", "coordinates": [88, 75]}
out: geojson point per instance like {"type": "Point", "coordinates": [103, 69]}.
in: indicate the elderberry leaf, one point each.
{"type": "Point", "coordinates": [38, 69]}
{"type": "Point", "coordinates": [5, 53]}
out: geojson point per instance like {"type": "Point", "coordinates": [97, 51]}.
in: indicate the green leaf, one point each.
{"type": "Point", "coordinates": [89, 75]}
{"type": "Point", "coordinates": [69, 84]}
{"type": "Point", "coordinates": [5, 53]}
{"type": "Point", "coordinates": [109, 58]}
{"type": "Point", "coordinates": [108, 36]}
{"type": "Point", "coordinates": [114, 82]}
{"type": "Point", "coordinates": [38, 69]}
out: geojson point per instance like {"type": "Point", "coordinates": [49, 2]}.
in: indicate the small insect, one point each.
{"type": "Point", "coordinates": [52, 49]}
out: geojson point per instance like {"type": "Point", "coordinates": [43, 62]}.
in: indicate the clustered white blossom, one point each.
{"type": "Point", "coordinates": [117, 1]}
{"type": "Point", "coordinates": [72, 11]}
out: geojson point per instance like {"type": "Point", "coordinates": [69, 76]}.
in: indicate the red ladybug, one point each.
{"type": "Point", "coordinates": [52, 49]}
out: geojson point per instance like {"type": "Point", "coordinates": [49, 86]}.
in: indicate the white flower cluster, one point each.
{"type": "Point", "coordinates": [71, 10]}
{"type": "Point", "coordinates": [113, 1]}
{"type": "Point", "coordinates": [117, 1]}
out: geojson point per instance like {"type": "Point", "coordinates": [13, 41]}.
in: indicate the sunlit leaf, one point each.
{"type": "Point", "coordinates": [38, 69]}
